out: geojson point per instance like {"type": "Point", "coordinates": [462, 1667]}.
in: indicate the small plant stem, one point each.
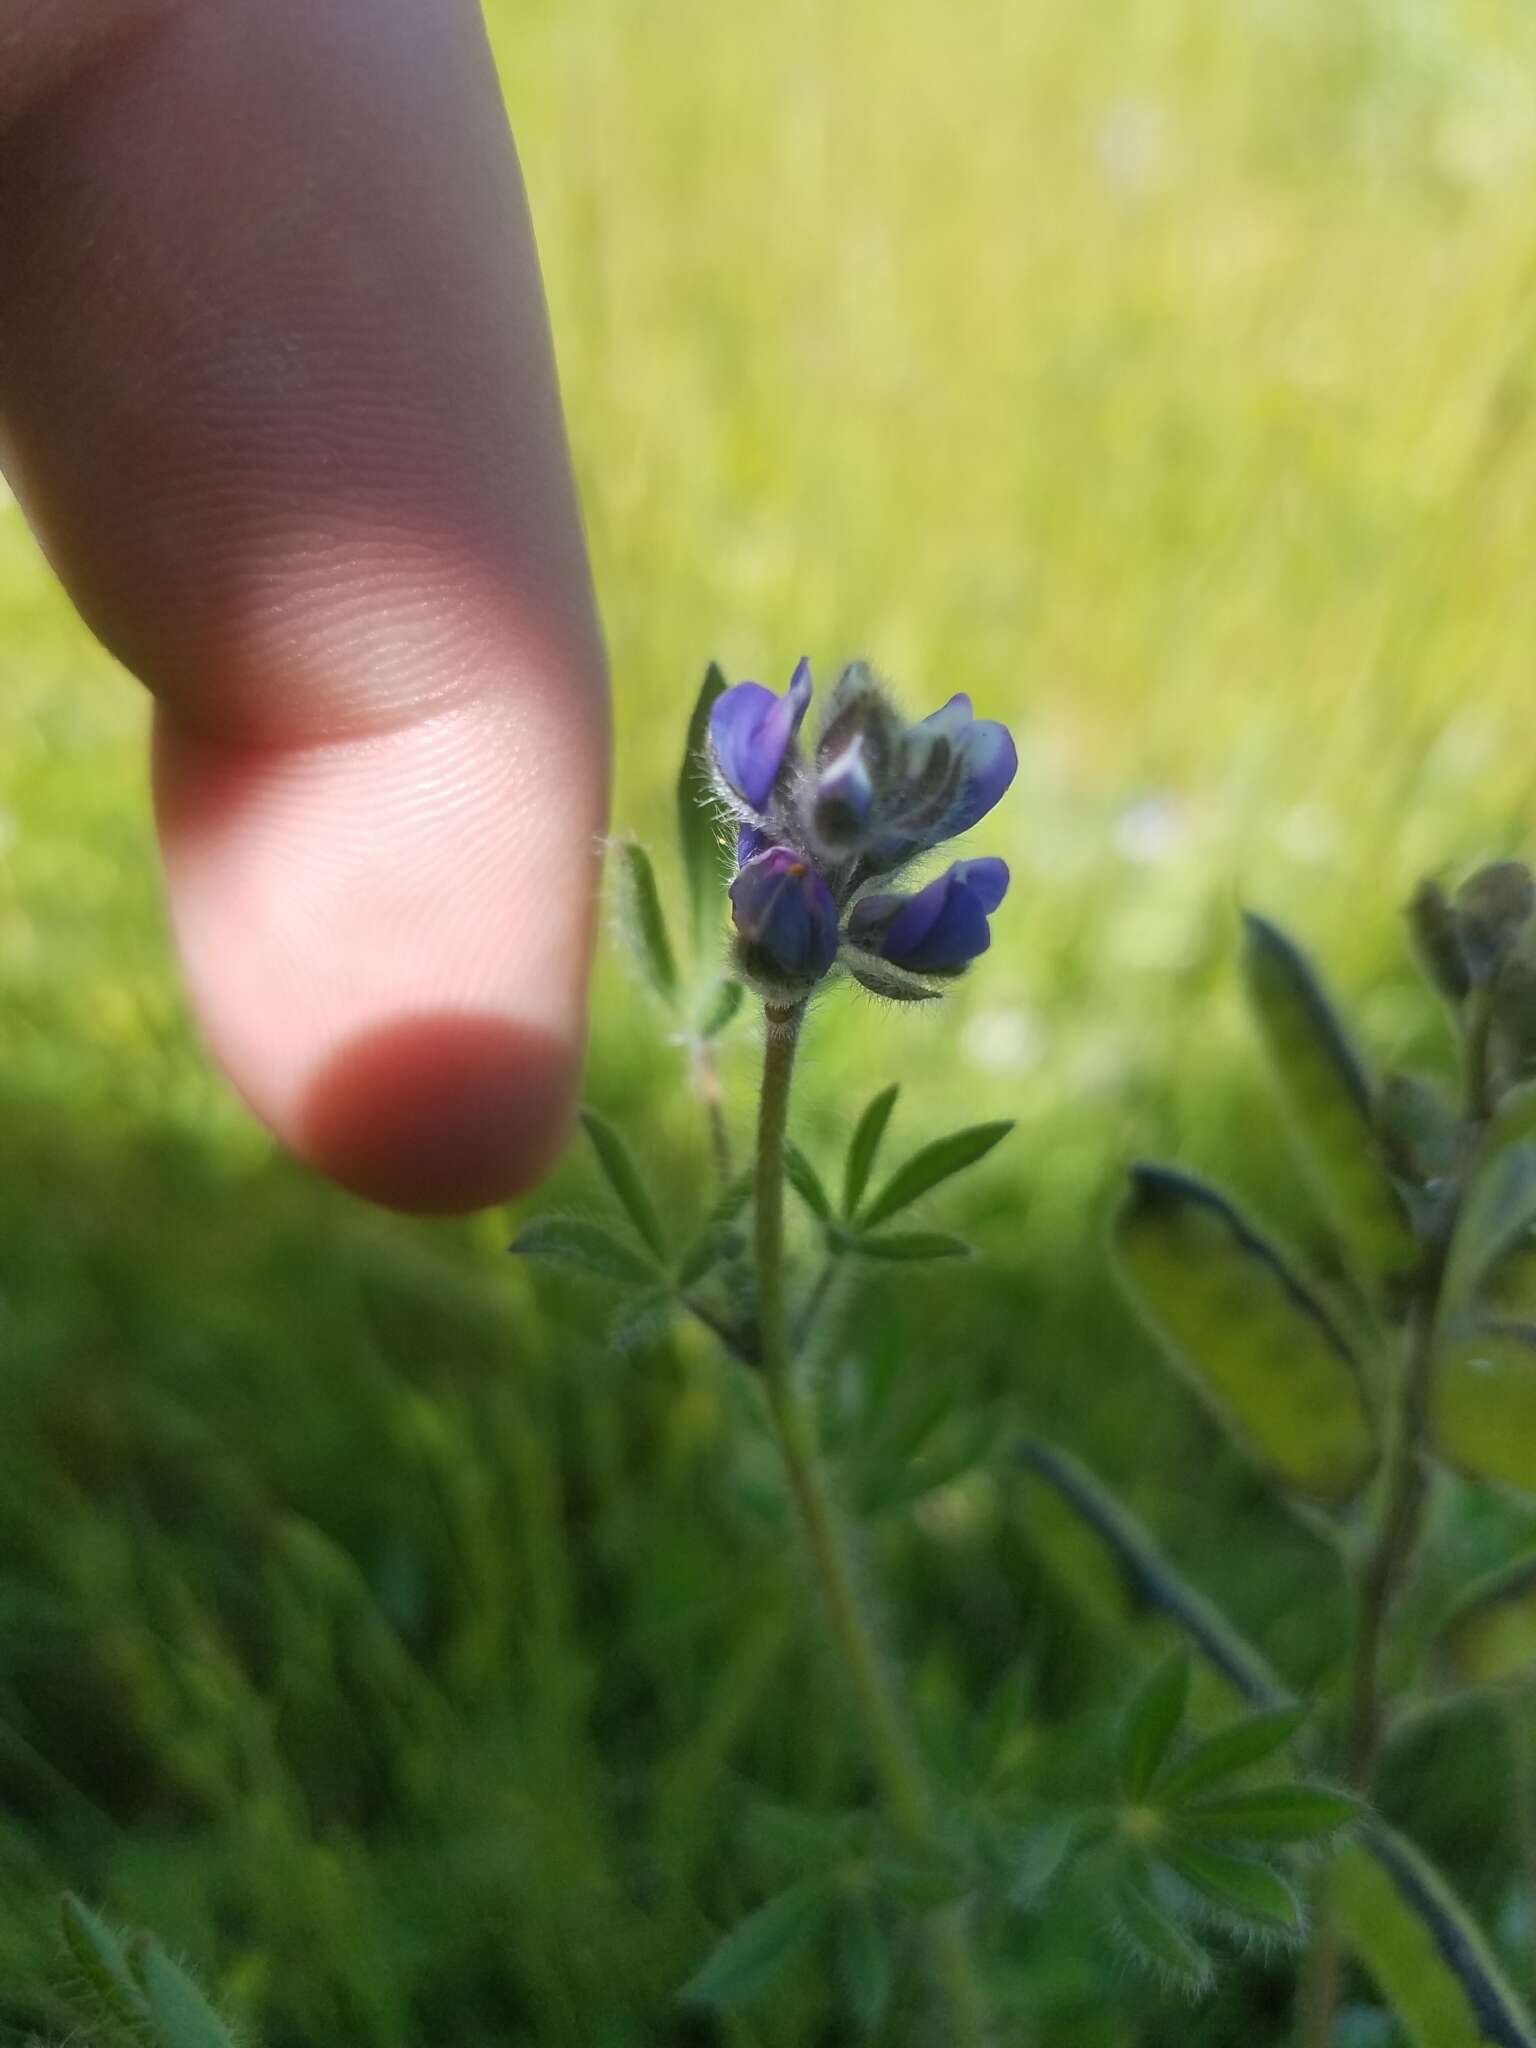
{"type": "Point", "coordinates": [1404, 1491]}
{"type": "Point", "coordinates": [816, 1301]}
{"type": "Point", "coordinates": [1405, 1486]}
{"type": "Point", "coordinates": [894, 1756]}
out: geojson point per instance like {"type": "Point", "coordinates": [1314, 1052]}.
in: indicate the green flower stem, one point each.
{"type": "Point", "coordinates": [1405, 1487]}
{"type": "Point", "coordinates": [907, 1798]}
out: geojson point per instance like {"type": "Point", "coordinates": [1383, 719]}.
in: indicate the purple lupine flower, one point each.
{"type": "Point", "coordinates": [939, 930]}
{"type": "Point", "coordinates": [751, 730]}
{"type": "Point", "coordinates": [987, 759]}
{"type": "Point", "coordinates": [786, 917]}
{"type": "Point", "coordinates": [845, 794]}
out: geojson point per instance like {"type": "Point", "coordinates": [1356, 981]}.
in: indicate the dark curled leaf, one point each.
{"type": "Point", "coordinates": [865, 1145]}
{"type": "Point", "coordinates": [1417, 1941]}
{"type": "Point", "coordinates": [1151, 1580]}
{"type": "Point", "coordinates": [572, 1241]}
{"type": "Point", "coordinates": [701, 838]}
{"type": "Point", "coordinates": [1154, 1935]}
{"type": "Point", "coordinates": [910, 1245]}
{"type": "Point", "coordinates": [1269, 1813]}
{"type": "Point", "coordinates": [1239, 1887]}
{"type": "Point", "coordinates": [1150, 1722]}
{"type": "Point", "coordinates": [1260, 1347]}
{"type": "Point", "coordinates": [931, 1166]}
{"type": "Point", "coordinates": [614, 1157]}
{"type": "Point", "coordinates": [1230, 1750]}
{"type": "Point", "coordinates": [1328, 1094]}
{"type": "Point", "coordinates": [641, 920]}
{"type": "Point", "coordinates": [1497, 1210]}
{"type": "Point", "coordinates": [806, 1182]}
{"type": "Point", "coordinates": [759, 1949]}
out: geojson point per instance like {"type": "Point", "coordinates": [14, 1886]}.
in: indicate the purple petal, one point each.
{"type": "Point", "coordinates": [785, 913]}
{"type": "Point", "coordinates": [751, 730]}
{"type": "Point", "coordinates": [942, 928]}
{"type": "Point", "coordinates": [990, 760]}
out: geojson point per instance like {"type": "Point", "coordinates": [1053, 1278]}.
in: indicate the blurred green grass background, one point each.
{"type": "Point", "coordinates": [1162, 375]}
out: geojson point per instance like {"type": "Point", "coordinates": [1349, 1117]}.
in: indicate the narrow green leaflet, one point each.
{"type": "Point", "coordinates": [1264, 1352]}
{"type": "Point", "coordinates": [1490, 1636]}
{"type": "Point", "coordinates": [910, 1245]}
{"type": "Point", "coordinates": [720, 1009]}
{"type": "Point", "coordinates": [180, 2014]}
{"type": "Point", "coordinates": [1151, 1721]}
{"type": "Point", "coordinates": [1483, 1404]}
{"type": "Point", "coordinates": [1269, 1813]}
{"type": "Point", "coordinates": [1497, 1210]}
{"type": "Point", "coordinates": [103, 1962]}
{"type": "Point", "coordinates": [624, 1178]}
{"type": "Point", "coordinates": [762, 1947]}
{"type": "Point", "coordinates": [865, 1145]}
{"type": "Point", "coordinates": [1328, 1094]}
{"type": "Point", "coordinates": [572, 1241]}
{"type": "Point", "coordinates": [641, 920]}
{"type": "Point", "coordinates": [934, 1164]}
{"type": "Point", "coordinates": [1424, 1952]}
{"type": "Point", "coordinates": [1246, 1743]}
{"type": "Point", "coordinates": [700, 838]}
{"type": "Point", "coordinates": [719, 1236]}
{"type": "Point", "coordinates": [864, 1963]}
{"type": "Point", "coordinates": [1238, 1886]}
{"type": "Point", "coordinates": [1155, 1936]}
{"type": "Point", "coordinates": [1150, 1581]}
{"type": "Point", "coordinates": [806, 1182]}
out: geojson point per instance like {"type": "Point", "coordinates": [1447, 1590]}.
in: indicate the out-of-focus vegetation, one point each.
{"type": "Point", "coordinates": [1160, 373]}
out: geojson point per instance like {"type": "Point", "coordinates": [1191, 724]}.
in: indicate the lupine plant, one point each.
{"type": "Point", "coordinates": [1381, 1397]}
{"type": "Point", "coordinates": [810, 847]}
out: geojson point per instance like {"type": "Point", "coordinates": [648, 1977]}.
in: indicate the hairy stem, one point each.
{"type": "Point", "coordinates": [1405, 1486]}
{"type": "Point", "coordinates": [893, 1754]}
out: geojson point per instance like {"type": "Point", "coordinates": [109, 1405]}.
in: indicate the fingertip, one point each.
{"type": "Point", "coordinates": [440, 1114]}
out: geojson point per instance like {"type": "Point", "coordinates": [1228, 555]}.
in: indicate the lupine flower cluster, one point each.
{"type": "Point", "coordinates": [818, 836]}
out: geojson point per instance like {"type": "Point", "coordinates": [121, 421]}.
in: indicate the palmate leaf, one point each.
{"type": "Point", "coordinates": [1150, 1581]}
{"type": "Point", "coordinates": [1222, 1755]}
{"type": "Point", "coordinates": [759, 1949]}
{"type": "Point", "coordinates": [806, 1182]}
{"type": "Point", "coordinates": [1154, 1935]}
{"type": "Point", "coordinates": [624, 1178]}
{"type": "Point", "coordinates": [1264, 1352]}
{"type": "Point", "coordinates": [1276, 1814]}
{"type": "Point", "coordinates": [702, 842]}
{"type": "Point", "coordinates": [931, 1166]}
{"type": "Point", "coordinates": [864, 1146]}
{"type": "Point", "coordinates": [1417, 1941]}
{"type": "Point", "coordinates": [589, 1247]}
{"type": "Point", "coordinates": [1150, 1723]}
{"type": "Point", "coordinates": [1483, 1404]}
{"type": "Point", "coordinates": [1328, 1094]}
{"type": "Point", "coordinates": [1239, 1887]}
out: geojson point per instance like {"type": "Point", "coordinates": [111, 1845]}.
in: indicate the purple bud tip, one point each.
{"type": "Point", "coordinates": [939, 930]}
{"type": "Point", "coordinates": [751, 730]}
{"type": "Point", "coordinates": [786, 916]}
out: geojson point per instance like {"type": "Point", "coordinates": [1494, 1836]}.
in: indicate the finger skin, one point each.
{"type": "Point", "coordinates": [277, 394]}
